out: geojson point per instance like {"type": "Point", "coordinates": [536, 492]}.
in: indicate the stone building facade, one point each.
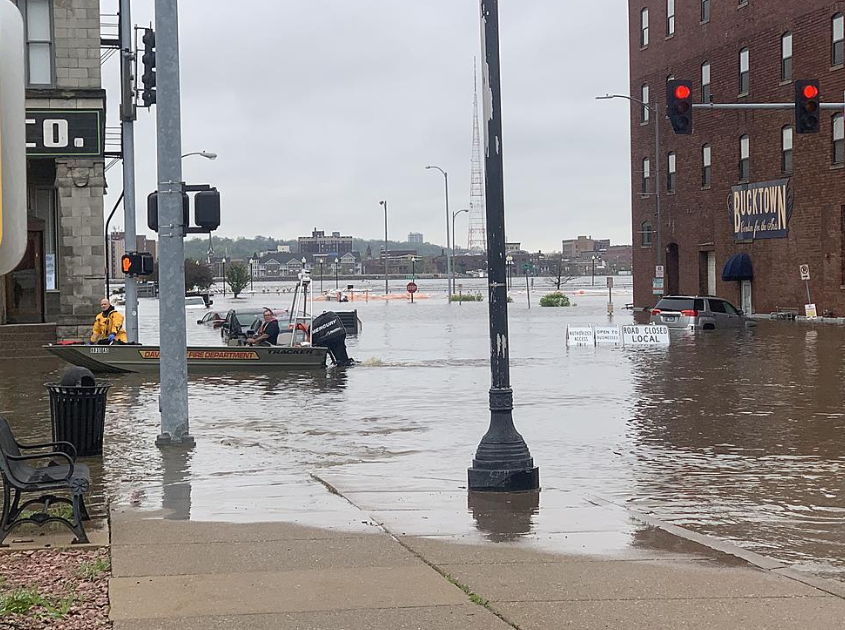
{"type": "Point", "coordinates": [61, 278]}
{"type": "Point", "coordinates": [739, 51]}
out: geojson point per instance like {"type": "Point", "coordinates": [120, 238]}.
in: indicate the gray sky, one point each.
{"type": "Point", "coordinates": [318, 109]}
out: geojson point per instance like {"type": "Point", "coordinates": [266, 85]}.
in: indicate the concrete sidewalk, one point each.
{"type": "Point", "coordinates": [388, 564]}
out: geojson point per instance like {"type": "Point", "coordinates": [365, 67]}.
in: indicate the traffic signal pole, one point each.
{"type": "Point", "coordinates": [173, 397]}
{"type": "Point", "coordinates": [127, 117]}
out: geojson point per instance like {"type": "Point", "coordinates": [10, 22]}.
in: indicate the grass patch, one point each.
{"type": "Point", "coordinates": [473, 597]}
{"type": "Point", "coordinates": [93, 570]}
{"type": "Point", "coordinates": [467, 297]}
{"type": "Point", "coordinates": [61, 510]}
{"type": "Point", "coordinates": [555, 299]}
{"type": "Point", "coordinates": [23, 601]}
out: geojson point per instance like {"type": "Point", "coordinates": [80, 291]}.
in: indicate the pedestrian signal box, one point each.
{"type": "Point", "coordinates": [12, 139]}
{"type": "Point", "coordinates": [137, 264]}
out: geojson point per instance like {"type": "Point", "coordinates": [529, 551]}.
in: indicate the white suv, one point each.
{"type": "Point", "coordinates": [698, 311]}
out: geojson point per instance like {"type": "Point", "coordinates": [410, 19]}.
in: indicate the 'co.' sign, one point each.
{"type": "Point", "coordinates": [59, 133]}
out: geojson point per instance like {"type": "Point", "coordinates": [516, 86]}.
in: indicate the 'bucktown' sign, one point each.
{"type": "Point", "coordinates": [761, 210]}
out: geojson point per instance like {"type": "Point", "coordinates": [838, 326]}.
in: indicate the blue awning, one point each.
{"type": "Point", "coordinates": [738, 267]}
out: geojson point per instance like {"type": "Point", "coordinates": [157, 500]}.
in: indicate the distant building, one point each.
{"type": "Point", "coordinates": [415, 237]}
{"type": "Point", "coordinates": [513, 247]}
{"type": "Point", "coordinates": [573, 248]}
{"type": "Point", "coordinates": [117, 247]}
{"type": "Point", "coordinates": [319, 243]}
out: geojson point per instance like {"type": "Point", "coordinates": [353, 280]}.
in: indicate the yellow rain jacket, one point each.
{"type": "Point", "coordinates": [107, 323]}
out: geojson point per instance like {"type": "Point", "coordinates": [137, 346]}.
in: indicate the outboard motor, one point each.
{"type": "Point", "coordinates": [327, 331]}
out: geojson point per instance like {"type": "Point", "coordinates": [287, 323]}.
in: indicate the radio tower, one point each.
{"type": "Point", "coordinates": [477, 212]}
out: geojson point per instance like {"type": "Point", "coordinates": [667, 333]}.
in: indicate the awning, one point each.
{"type": "Point", "coordinates": [738, 267]}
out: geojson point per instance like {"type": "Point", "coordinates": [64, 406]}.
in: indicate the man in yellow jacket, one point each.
{"type": "Point", "coordinates": [108, 325]}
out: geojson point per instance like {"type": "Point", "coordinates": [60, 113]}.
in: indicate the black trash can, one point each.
{"type": "Point", "coordinates": [78, 411]}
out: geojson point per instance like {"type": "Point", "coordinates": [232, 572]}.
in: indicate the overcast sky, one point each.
{"type": "Point", "coordinates": [318, 109]}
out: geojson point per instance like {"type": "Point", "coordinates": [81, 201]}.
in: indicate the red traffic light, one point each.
{"type": "Point", "coordinates": [810, 91]}
{"type": "Point", "coordinates": [682, 92]}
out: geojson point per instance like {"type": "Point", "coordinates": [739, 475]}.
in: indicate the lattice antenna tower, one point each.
{"type": "Point", "coordinates": [477, 240]}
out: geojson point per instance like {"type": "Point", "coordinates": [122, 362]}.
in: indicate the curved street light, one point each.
{"type": "Point", "coordinates": [386, 291]}
{"type": "Point", "coordinates": [454, 242]}
{"type": "Point", "coordinates": [449, 287]}
{"type": "Point", "coordinates": [656, 117]}
{"type": "Point", "coordinates": [209, 155]}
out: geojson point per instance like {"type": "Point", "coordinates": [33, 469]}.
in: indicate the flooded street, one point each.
{"type": "Point", "coordinates": [736, 434]}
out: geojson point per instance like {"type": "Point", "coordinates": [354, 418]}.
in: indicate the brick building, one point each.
{"type": "Point", "coordinates": [319, 243]}
{"type": "Point", "coordinates": [61, 277]}
{"type": "Point", "coordinates": [744, 200]}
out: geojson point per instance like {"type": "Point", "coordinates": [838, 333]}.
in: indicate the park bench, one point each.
{"type": "Point", "coordinates": [20, 476]}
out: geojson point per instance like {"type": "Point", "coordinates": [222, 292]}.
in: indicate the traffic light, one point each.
{"type": "Point", "coordinates": [207, 209]}
{"type": "Point", "coordinates": [12, 139]}
{"type": "Point", "coordinates": [679, 105]}
{"type": "Point", "coordinates": [137, 264]}
{"type": "Point", "coordinates": [807, 106]}
{"type": "Point", "coordinates": [148, 78]}
{"type": "Point", "coordinates": [152, 211]}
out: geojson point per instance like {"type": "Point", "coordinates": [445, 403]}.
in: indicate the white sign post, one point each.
{"type": "Point", "coordinates": [608, 336]}
{"type": "Point", "coordinates": [580, 336]}
{"type": "Point", "coordinates": [645, 335]}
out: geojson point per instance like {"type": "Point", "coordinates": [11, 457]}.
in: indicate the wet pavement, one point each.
{"type": "Point", "coordinates": [735, 434]}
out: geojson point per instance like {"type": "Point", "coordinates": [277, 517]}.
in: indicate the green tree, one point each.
{"type": "Point", "coordinates": [237, 276]}
{"type": "Point", "coordinates": [197, 276]}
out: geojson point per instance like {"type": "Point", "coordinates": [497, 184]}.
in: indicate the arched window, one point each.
{"type": "Point", "coordinates": [705, 166]}
{"type": "Point", "coordinates": [645, 234]}
{"type": "Point", "coordinates": [786, 149]}
{"type": "Point", "coordinates": [838, 40]}
{"type": "Point", "coordinates": [646, 176]}
{"type": "Point", "coordinates": [744, 156]}
{"type": "Point", "coordinates": [643, 28]}
{"type": "Point", "coordinates": [705, 82]}
{"type": "Point", "coordinates": [670, 18]}
{"type": "Point", "coordinates": [705, 10]}
{"type": "Point", "coordinates": [838, 146]}
{"type": "Point", "coordinates": [786, 57]}
{"type": "Point", "coordinates": [644, 99]}
{"type": "Point", "coordinates": [670, 172]}
{"type": "Point", "coordinates": [743, 71]}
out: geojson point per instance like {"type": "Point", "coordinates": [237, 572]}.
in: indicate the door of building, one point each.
{"type": "Point", "coordinates": [711, 273]}
{"type": "Point", "coordinates": [25, 285]}
{"type": "Point", "coordinates": [745, 303]}
{"type": "Point", "coordinates": [673, 271]}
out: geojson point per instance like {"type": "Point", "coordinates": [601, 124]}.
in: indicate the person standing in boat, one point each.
{"type": "Point", "coordinates": [108, 325]}
{"type": "Point", "coordinates": [268, 334]}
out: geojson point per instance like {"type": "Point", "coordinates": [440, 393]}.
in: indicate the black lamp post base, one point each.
{"type": "Point", "coordinates": [504, 480]}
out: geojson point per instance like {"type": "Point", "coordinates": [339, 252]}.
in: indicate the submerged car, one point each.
{"type": "Point", "coordinates": [704, 312]}
{"type": "Point", "coordinates": [213, 319]}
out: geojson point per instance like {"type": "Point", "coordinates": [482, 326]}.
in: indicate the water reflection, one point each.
{"type": "Point", "coordinates": [504, 517]}
{"type": "Point", "coordinates": [176, 483]}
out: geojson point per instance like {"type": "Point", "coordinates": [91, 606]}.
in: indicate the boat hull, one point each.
{"type": "Point", "coordinates": [121, 359]}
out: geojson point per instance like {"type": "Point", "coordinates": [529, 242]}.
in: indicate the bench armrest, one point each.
{"type": "Point", "coordinates": [22, 458]}
{"type": "Point", "coordinates": [29, 447]}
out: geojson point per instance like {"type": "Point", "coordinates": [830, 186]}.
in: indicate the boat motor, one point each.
{"type": "Point", "coordinates": [327, 331]}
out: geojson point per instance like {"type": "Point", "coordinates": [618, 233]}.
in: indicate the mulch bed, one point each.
{"type": "Point", "coordinates": [60, 590]}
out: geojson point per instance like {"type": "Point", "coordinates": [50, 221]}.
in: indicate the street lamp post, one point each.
{"type": "Point", "coordinates": [656, 118]}
{"type": "Point", "coordinates": [224, 276]}
{"type": "Point", "coordinates": [593, 282]}
{"type": "Point", "coordinates": [386, 290]}
{"type": "Point", "coordinates": [321, 275]}
{"type": "Point", "coordinates": [502, 462]}
{"type": "Point", "coordinates": [413, 274]}
{"type": "Point", "coordinates": [251, 263]}
{"type": "Point", "coordinates": [336, 263]}
{"type": "Point", "coordinates": [454, 240]}
{"type": "Point", "coordinates": [449, 280]}
{"type": "Point", "coordinates": [509, 262]}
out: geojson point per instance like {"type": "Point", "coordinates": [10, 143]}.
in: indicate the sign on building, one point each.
{"type": "Point", "coordinates": [761, 210]}
{"type": "Point", "coordinates": [64, 133]}
{"type": "Point", "coordinates": [805, 272]}
{"type": "Point", "coordinates": [657, 286]}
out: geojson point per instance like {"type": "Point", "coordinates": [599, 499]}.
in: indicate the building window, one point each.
{"type": "Point", "coordinates": [786, 57]}
{"type": "Point", "coordinates": [742, 3]}
{"type": "Point", "coordinates": [705, 82]}
{"type": "Point", "coordinates": [670, 18]}
{"type": "Point", "coordinates": [644, 99]}
{"type": "Point", "coordinates": [646, 175]}
{"type": "Point", "coordinates": [705, 165]}
{"type": "Point", "coordinates": [643, 28]}
{"type": "Point", "coordinates": [838, 47]}
{"type": "Point", "coordinates": [743, 158]}
{"type": "Point", "coordinates": [786, 149]}
{"type": "Point", "coordinates": [670, 172]}
{"type": "Point", "coordinates": [838, 139]}
{"type": "Point", "coordinates": [38, 26]}
{"type": "Point", "coordinates": [645, 234]}
{"type": "Point", "coordinates": [705, 10]}
{"type": "Point", "coordinates": [743, 71]}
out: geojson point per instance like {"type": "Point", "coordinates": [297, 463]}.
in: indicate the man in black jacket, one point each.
{"type": "Point", "coordinates": [268, 334]}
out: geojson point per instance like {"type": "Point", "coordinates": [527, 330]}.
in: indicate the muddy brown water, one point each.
{"type": "Point", "coordinates": [737, 434]}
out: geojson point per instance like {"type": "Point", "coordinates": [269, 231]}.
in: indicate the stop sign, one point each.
{"type": "Point", "coordinates": [412, 287]}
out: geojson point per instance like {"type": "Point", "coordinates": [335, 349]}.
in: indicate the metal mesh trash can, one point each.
{"type": "Point", "coordinates": [78, 415]}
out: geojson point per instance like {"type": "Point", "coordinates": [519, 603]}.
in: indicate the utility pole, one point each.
{"type": "Point", "coordinates": [127, 118]}
{"type": "Point", "coordinates": [386, 290]}
{"type": "Point", "coordinates": [502, 462]}
{"type": "Point", "coordinates": [173, 396]}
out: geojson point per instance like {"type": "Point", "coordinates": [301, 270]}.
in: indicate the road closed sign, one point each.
{"type": "Point", "coordinates": [645, 335]}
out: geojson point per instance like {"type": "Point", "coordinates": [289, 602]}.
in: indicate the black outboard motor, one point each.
{"type": "Point", "coordinates": [327, 331]}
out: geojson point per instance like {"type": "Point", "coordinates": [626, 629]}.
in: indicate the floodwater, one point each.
{"type": "Point", "coordinates": [737, 434]}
